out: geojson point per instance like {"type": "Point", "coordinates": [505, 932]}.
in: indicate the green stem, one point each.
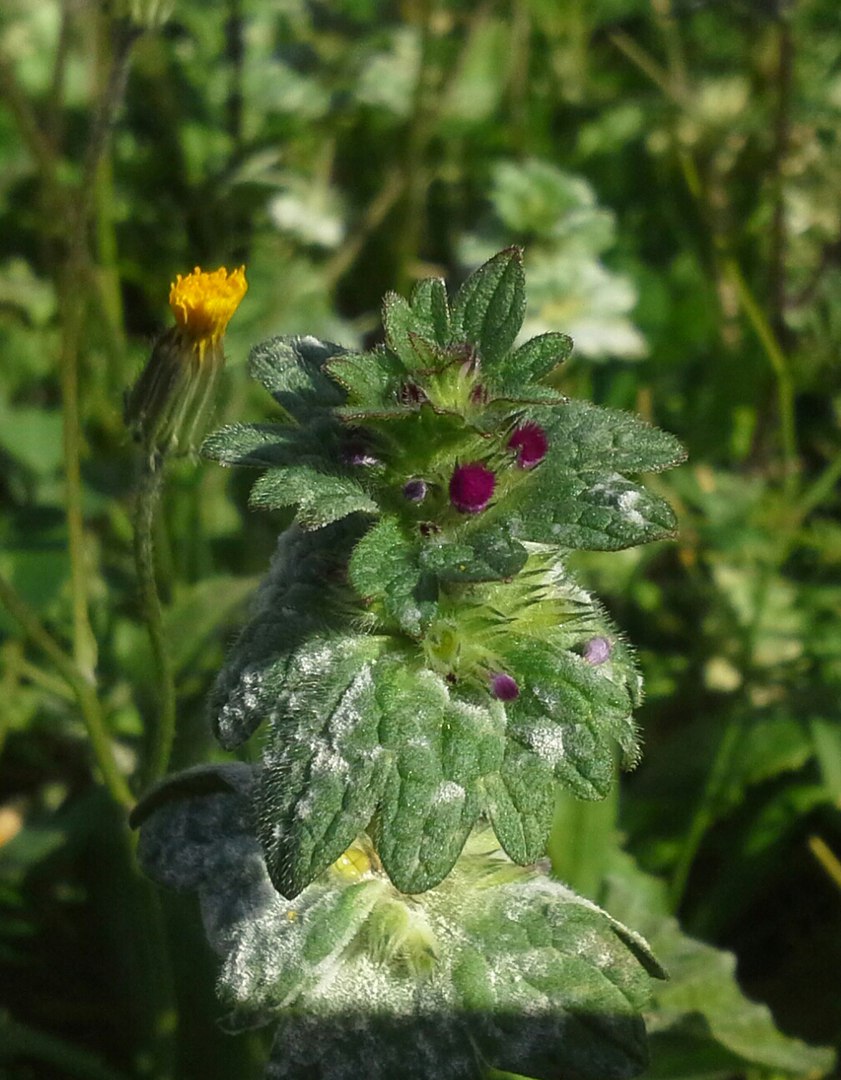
{"type": "Point", "coordinates": [86, 698]}
{"type": "Point", "coordinates": [820, 489]}
{"type": "Point", "coordinates": [73, 314]}
{"type": "Point", "coordinates": [74, 310]}
{"type": "Point", "coordinates": [779, 365]}
{"type": "Point", "coordinates": [705, 811]}
{"type": "Point", "coordinates": [827, 858]}
{"type": "Point", "coordinates": [162, 733]}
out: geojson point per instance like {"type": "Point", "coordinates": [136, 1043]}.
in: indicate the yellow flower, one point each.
{"type": "Point", "coordinates": [168, 407]}
{"type": "Point", "coordinates": [204, 301]}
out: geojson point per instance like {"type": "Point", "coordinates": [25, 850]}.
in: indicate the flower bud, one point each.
{"type": "Point", "coordinates": [170, 403]}
{"type": "Point", "coordinates": [504, 687]}
{"type": "Point", "coordinates": [471, 487]}
{"type": "Point", "coordinates": [531, 444]}
{"type": "Point", "coordinates": [597, 650]}
{"type": "Point", "coordinates": [415, 490]}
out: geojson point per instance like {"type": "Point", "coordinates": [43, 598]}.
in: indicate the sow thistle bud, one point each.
{"type": "Point", "coordinates": [169, 405]}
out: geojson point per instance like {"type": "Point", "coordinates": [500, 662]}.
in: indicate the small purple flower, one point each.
{"type": "Point", "coordinates": [414, 490]}
{"type": "Point", "coordinates": [531, 444]}
{"type": "Point", "coordinates": [504, 688]}
{"type": "Point", "coordinates": [597, 650]}
{"type": "Point", "coordinates": [471, 487]}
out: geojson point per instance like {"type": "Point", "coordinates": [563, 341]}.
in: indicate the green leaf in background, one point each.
{"type": "Point", "coordinates": [700, 1022]}
{"type": "Point", "coordinates": [358, 979]}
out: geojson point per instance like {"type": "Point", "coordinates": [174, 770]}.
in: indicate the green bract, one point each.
{"type": "Point", "coordinates": [418, 650]}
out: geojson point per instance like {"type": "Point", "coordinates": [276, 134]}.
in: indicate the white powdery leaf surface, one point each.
{"type": "Point", "coordinates": [627, 502]}
{"type": "Point", "coordinates": [547, 742]}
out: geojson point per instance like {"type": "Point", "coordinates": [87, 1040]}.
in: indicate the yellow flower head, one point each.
{"type": "Point", "coordinates": [203, 302]}
{"type": "Point", "coordinates": [169, 405]}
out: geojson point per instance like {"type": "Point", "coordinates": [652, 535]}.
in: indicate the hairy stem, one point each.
{"type": "Point", "coordinates": [162, 731]}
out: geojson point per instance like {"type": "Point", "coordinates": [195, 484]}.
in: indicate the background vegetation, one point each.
{"type": "Point", "coordinates": [674, 171]}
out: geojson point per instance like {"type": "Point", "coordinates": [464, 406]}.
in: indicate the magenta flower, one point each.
{"type": "Point", "coordinates": [531, 444]}
{"type": "Point", "coordinates": [471, 487]}
{"type": "Point", "coordinates": [504, 688]}
{"type": "Point", "coordinates": [597, 650]}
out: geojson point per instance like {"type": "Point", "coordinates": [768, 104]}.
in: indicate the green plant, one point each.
{"type": "Point", "coordinates": [423, 659]}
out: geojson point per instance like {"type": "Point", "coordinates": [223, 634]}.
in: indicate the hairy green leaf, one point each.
{"type": "Point", "coordinates": [532, 360]}
{"type": "Point", "coordinates": [319, 498]}
{"type": "Point", "coordinates": [301, 596]}
{"type": "Point", "coordinates": [489, 308]}
{"type": "Point", "coordinates": [292, 370]}
{"type": "Point", "coordinates": [323, 765]}
{"type": "Point", "coordinates": [384, 568]}
{"type": "Point", "coordinates": [496, 961]}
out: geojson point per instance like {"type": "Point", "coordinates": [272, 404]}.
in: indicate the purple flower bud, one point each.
{"type": "Point", "coordinates": [414, 490]}
{"type": "Point", "coordinates": [471, 487]}
{"type": "Point", "coordinates": [531, 444]}
{"type": "Point", "coordinates": [597, 650]}
{"type": "Point", "coordinates": [504, 688]}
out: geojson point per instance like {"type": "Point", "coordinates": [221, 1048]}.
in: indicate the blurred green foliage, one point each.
{"type": "Point", "coordinates": [674, 170]}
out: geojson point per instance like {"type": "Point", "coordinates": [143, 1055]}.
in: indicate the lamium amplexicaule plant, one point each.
{"type": "Point", "coordinates": [426, 674]}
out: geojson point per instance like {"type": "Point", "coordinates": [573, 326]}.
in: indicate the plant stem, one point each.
{"type": "Point", "coordinates": [782, 124]}
{"type": "Point", "coordinates": [162, 733]}
{"type": "Point", "coordinates": [779, 365]}
{"type": "Point", "coordinates": [73, 313]}
{"type": "Point", "coordinates": [705, 811]}
{"type": "Point", "coordinates": [73, 310]}
{"type": "Point", "coordinates": [88, 702]}
{"type": "Point", "coordinates": [827, 858]}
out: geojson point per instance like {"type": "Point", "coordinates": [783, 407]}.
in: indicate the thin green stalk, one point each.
{"type": "Point", "coordinates": [73, 314]}
{"type": "Point", "coordinates": [779, 365]}
{"type": "Point", "coordinates": [827, 858]}
{"type": "Point", "coordinates": [416, 142]}
{"type": "Point", "coordinates": [86, 698]}
{"type": "Point", "coordinates": [39, 146]}
{"type": "Point", "coordinates": [820, 489]}
{"type": "Point", "coordinates": [705, 811]}
{"type": "Point", "coordinates": [162, 732]}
